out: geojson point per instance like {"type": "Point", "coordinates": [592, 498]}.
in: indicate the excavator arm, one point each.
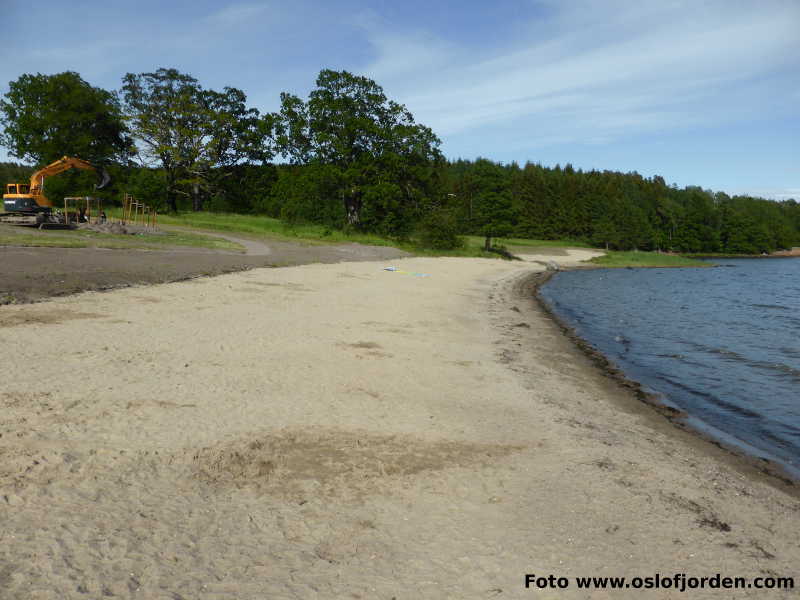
{"type": "Point", "coordinates": [64, 164]}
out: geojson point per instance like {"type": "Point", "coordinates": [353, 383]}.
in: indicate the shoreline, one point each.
{"type": "Point", "coordinates": [776, 254]}
{"type": "Point", "coordinates": [677, 417]}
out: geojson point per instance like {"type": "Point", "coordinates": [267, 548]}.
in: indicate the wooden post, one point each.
{"type": "Point", "coordinates": [126, 215]}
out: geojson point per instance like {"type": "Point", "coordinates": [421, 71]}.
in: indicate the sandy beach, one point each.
{"type": "Point", "coordinates": [333, 431]}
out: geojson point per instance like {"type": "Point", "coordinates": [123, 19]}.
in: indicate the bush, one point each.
{"type": "Point", "coordinates": [149, 186]}
{"type": "Point", "coordinates": [439, 231]}
{"type": "Point", "coordinates": [385, 210]}
{"type": "Point", "coordinates": [307, 196]}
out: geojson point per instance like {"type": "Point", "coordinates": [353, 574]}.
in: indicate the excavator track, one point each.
{"type": "Point", "coordinates": [40, 220]}
{"type": "Point", "coordinates": [19, 219]}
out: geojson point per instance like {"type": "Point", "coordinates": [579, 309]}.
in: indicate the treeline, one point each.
{"type": "Point", "coordinates": [349, 157]}
{"type": "Point", "coordinates": [621, 211]}
{"type": "Point", "coordinates": [11, 172]}
{"type": "Point", "coordinates": [609, 209]}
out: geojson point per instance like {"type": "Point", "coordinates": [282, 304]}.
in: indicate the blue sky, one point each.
{"type": "Point", "coordinates": [701, 92]}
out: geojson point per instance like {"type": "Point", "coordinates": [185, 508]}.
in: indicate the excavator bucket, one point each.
{"type": "Point", "coordinates": [104, 178]}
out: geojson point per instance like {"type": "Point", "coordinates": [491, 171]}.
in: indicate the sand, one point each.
{"type": "Point", "coordinates": [341, 431]}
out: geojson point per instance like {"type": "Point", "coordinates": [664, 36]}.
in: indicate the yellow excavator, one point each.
{"type": "Point", "coordinates": [26, 204]}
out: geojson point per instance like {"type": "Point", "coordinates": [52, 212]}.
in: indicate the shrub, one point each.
{"type": "Point", "coordinates": [439, 231]}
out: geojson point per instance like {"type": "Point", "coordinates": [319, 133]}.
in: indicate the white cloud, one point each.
{"type": "Point", "coordinates": [771, 192]}
{"type": "Point", "coordinates": [591, 70]}
{"type": "Point", "coordinates": [402, 56]}
{"type": "Point", "coordinates": [237, 14]}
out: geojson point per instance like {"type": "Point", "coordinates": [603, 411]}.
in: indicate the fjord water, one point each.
{"type": "Point", "coordinates": [722, 344]}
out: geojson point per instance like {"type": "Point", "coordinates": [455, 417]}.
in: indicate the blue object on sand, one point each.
{"type": "Point", "coordinates": [396, 270]}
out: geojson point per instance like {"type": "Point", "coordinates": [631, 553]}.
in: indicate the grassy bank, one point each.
{"type": "Point", "coordinates": [261, 226]}
{"type": "Point", "coordinates": [267, 226]}
{"type": "Point", "coordinates": [257, 225]}
{"type": "Point", "coordinates": [78, 238]}
{"type": "Point", "coordinates": [529, 243]}
{"type": "Point", "coordinates": [645, 259]}
{"type": "Point", "coordinates": [191, 229]}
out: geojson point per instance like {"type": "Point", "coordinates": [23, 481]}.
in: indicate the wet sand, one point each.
{"type": "Point", "coordinates": [341, 431]}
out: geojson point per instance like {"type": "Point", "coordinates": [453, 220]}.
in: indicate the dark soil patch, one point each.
{"type": "Point", "coordinates": [32, 273]}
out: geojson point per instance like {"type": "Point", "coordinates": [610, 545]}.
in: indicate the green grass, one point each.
{"type": "Point", "coordinates": [722, 255]}
{"type": "Point", "coordinates": [528, 243]}
{"type": "Point", "coordinates": [19, 236]}
{"type": "Point", "coordinates": [268, 227]}
{"type": "Point", "coordinates": [645, 259]}
{"type": "Point", "coordinates": [42, 240]}
{"type": "Point", "coordinates": [261, 226]}
{"type": "Point", "coordinates": [316, 234]}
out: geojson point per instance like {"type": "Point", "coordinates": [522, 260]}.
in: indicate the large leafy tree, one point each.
{"type": "Point", "coordinates": [384, 158]}
{"type": "Point", "coordinates": [196, 135]}
{"type": "Point", "coordinates": [231, 135]}
{"type": "Point", "coordinates": [45, 117]}
{"type": "Point", "coordinates": [160, 108]}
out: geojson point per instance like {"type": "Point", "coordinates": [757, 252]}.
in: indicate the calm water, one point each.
{"type": "Point", "coordinates": [722, 344]}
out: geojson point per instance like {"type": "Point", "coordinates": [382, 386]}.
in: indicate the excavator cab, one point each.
{"type": "Point", "coordinates": [18, 198]}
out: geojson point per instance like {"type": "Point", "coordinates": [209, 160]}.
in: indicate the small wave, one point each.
{"type": "Point", "coordinates": [793, 321]}
{"type": "Point", "coordinates": [771, 306]}
{"type": "Point", "coordinates": [711, 398]}
{"type": "Point", "coordinates": [734, 408]}
{"type": "Point", "coordinates": [726, 354]}
{"type": "Point", "coordinates": [730, 355]}
{"type": "Point", "coordinates": [784, 441]}
{"type": "Point", "coordinates": [781, 368]}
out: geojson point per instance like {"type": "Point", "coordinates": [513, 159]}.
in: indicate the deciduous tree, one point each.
{"type": "Point", "coordinates": [45, 117]}
{"type": "Point", "coordinates": [195, 134]}
{"type": "Point", "coordinates": [384, 156]}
